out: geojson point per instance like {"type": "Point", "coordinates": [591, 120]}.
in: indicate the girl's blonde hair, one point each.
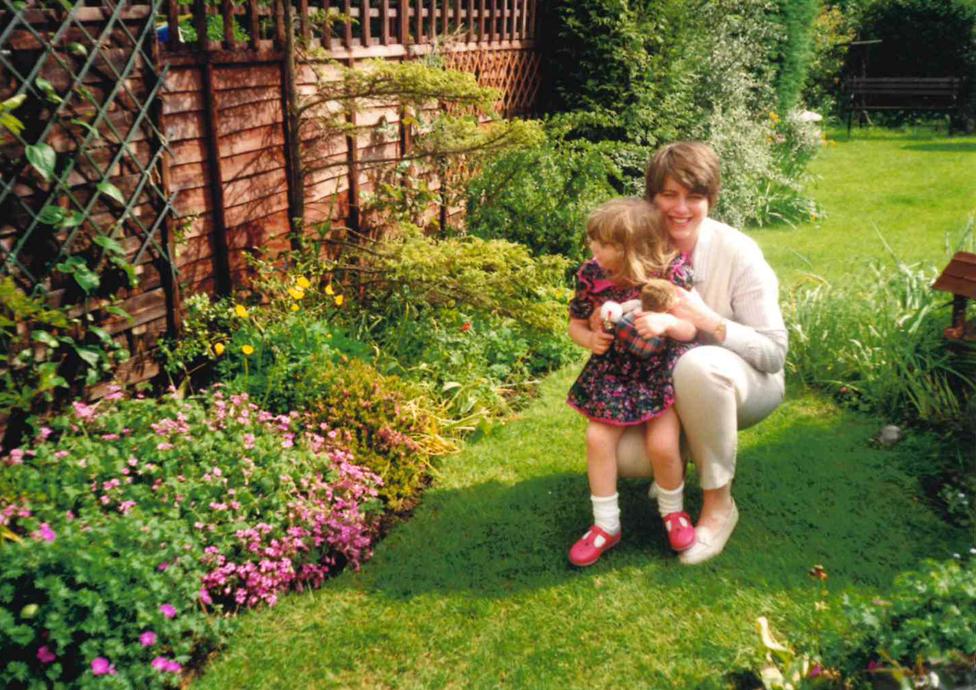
{"type": "Point", "coordinates": [635, 226]}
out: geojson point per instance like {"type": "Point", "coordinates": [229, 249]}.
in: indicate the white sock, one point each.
{"type": "Point", "coordinates": [606, 513]}
{"type": "Point", "coordinates": [672, 501]}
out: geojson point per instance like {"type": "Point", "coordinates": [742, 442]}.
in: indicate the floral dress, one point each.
{"type": "Point", "coordinates": [617, 387]}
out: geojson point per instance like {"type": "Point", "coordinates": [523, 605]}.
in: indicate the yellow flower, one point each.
{"type": "Point", "coordinates": [247, 350]}
{"type": "Point", "coordinates": [240, 311]}
{"type": "Point", "coordinates": [303, 283]}
{"type": "Point", "coordinates": [296, 293]}
{"type": "Point", "coordinates": [218, 349]}
{"type": "Point", "coordinates": [329, 290]}
{"type": "Point", "coordinates": [774, 117]}
{"type": "Point", "coordinates": [294, 307]}
{"type": "Point", "coordinates": [339, 299]}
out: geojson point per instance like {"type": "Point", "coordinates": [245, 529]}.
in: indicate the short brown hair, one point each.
{"type": "Point", "coordinates": [658, 295]}
{"type": "Point", "coordinates": [636, 227]}
{"type": "Point", "coordinates": [692, 164]}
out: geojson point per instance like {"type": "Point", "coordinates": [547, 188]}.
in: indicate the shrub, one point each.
{"type": "Point", "coordinates": [135, 516]}
{"type": "Point", "coordinates": [797, 19]}
{"type": "Point", "coordinates": [833, 30]}
{"type": "Point", "coordinates": [541, 197]}
{"type": "Point", "coordinates": [878, 344]}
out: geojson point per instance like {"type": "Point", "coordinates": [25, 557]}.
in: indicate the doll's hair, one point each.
{"type": "Point", "coordinates": [636, 227]}
{"type": "Point", "coordinates": [658, 295]}
{"type": "Point", "coordinates": [692, 164]}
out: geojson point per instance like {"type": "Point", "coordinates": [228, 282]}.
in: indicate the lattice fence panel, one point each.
{"type": "Point", "coordinates": [517, 73]}
{"type": "Point", "coordinates": [82, 201]}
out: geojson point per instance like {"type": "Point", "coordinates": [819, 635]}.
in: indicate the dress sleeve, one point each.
{"type": "Point", "coordinates": [582, 304]}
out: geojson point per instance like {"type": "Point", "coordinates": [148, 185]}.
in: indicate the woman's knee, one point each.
{"type": "Point", "coordinates": [699, 375]}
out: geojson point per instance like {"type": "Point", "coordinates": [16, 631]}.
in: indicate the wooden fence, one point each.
{"type": "Point", "coordinates": [236, 167]}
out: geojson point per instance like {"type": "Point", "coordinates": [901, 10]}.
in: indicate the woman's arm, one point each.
{"type": "Point", "coordinates": [653, 324]}
{"type": "Point", "coordinates": [580, 333]}
{"type": "Point", "coordinates": [756, 331]}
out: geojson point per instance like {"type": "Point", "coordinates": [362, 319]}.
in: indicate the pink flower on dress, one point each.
{"type": "Point", "coordinates": [45, 655]}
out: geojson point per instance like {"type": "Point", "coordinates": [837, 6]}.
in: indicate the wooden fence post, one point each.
{"type": "Point", "coordinates": [293, 144]}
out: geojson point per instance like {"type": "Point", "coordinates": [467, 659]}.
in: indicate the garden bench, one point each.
{"type": "Point", "coordinates": [934, 94]}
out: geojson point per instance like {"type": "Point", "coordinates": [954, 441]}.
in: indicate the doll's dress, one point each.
{"type": "Point", "coordinates": [617, 387]}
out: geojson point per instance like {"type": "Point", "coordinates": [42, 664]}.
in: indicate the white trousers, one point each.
{"type": "Point", "coordinates": [716, 394]}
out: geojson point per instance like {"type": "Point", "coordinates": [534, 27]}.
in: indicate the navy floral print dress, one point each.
{"type": "Point", "coordinates": [617, 387]}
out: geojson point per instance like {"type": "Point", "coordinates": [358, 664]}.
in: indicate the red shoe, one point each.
{"type": "Point", "coordinates": [681, 533]}
{"type": "Point", "coordinates": [588, 550]}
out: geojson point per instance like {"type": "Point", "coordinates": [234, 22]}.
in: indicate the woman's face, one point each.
{"type": "Point", "coordinates": [683, 212]}
{"type": "Point", "coordinates": [609, 256]}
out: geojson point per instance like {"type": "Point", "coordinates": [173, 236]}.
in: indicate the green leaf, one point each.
{"type": "Point", "coordinates": [45, 338]}
{"type": "Point", "coordinates": [52, 215]}
{"type": "Point", "coordinates": [110, 190]}
{"type": "Point", "coordinates": [48, 90]}
{"type": "Point", "coordinates": [102, 334]}
{"type": "Point", "coordinates": [42, 158]}
{"type": "Point", "coordinates": [76, 48]}
{"type": "Point", "coordinates": [82, 123]}
{"type": "Point", "coordinates": [86, 278]}
{"type": "Point", "coordinates": [89, 355]}
{"type": "Point", "coordinates": [109, 244]}
{"type": "Point", "coordinates": [72, 219]}
{"type": "Point", "coordinates": [120, 312]}
{"type": "Point", "coordinates": [13, 102]}
{"type": "Point", "coordinates": [130, 270]}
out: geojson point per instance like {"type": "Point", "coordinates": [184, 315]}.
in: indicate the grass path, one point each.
{"type": "Point", "coordinates": [474, 591]}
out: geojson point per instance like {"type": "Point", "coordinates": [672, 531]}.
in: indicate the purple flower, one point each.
{"type": "Point", "coordinates": [173, 666]}
{"type": "Point", "coordinates": [159, 663]}
{"type": "Point", "coordinates": [816, 670]}
{"type": "Point", "coordinates": [162, 567]}
{"type": "Point", "coordinates": [101, 667]}
{"type": "Point", "coordinates": [147, 639]}
{"type": "Point", "coordinates": [45, 533]}
{"type": "Point", "coordinates": [168, 610]}
{"type": "Point", "coordinates": [45, 655]}
{"type": "Point", "coordinates": [205, 596]}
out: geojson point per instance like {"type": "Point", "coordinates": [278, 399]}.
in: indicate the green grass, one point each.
{"type": "Point", "coordinates": [915, 188]}
{"type": "Point", "coordinates": [474, 590]}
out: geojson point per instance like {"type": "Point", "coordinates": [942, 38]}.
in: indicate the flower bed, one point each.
{"type": "Point", "coordinates": [127, 541]}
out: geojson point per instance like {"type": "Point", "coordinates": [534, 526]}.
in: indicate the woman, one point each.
{"type": "Point", "coordinates": [736, 379]}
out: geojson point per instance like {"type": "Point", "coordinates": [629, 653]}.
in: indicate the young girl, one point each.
{"type": "Point", "coordinates": [619, 387]}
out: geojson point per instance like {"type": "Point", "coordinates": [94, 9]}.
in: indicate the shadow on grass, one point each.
{"type": "Point", "coordinates": [806, 496]}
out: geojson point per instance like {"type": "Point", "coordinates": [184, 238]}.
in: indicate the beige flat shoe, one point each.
{"type": "Point", "coordinates": [709, 543]}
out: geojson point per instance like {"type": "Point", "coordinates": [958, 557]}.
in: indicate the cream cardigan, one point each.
{"type": "Point", "coordinates": [733, 278]}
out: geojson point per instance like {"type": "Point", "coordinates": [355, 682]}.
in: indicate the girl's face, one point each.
{"type": "Point", "coordinates": [683, 212]}
{"type": "Point", "coordinates": [609, 256]}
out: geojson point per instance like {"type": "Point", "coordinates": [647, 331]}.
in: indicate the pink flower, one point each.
{"type": "Point", "coordinates": [164, 446]}
{"type": "Point", "coordinates": [205, 596]}
{"type": "Point", "coordinates": [101, 667]}
{"type": "Point", "coordinates": [161, 663]}
{"type": "Point", "coordinates": [147, 639]}
{"type": "Point", "coordinates": [168, 610]}
{"type": "Point", "coordinates": [162, 568]}
{"type": "Point", "coordinates": [16, 457]}
{"type": "Point", "coordinates": [872, 665]}
{"type": "Point", "coordinates": [46, 432]}
{"type": "Point", "coordinates": [45, 533]}
{"type": "Point", "coordinates": [45, 655]}
{"type": "Point", "coordinates": [816, 670]}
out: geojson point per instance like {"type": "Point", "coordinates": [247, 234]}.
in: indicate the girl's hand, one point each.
{"type": "Point", "coordinates": [652, 324]}
{"type": "Point", "coordinates": [600, 341]}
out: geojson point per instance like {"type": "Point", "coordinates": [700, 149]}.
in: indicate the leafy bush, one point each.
{"type": "Point", "coordinates": [833, 30]}
{"type": "Point", "coordinates": [540, 197]}
{"type": "Point", "coordinates": [797, 18]}
{"type": "Point", "coordinates": [132, 526]}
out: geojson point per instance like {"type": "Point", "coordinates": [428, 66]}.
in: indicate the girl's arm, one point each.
{"type": "Point", "coordinates": [652, 324]}
{"type": "Point", "coordinates": [580, 333]}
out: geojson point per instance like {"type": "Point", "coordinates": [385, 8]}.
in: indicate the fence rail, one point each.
{"type": "Point", "coordinates": [381, 27]}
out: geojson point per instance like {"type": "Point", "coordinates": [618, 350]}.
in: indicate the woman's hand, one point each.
{"type": "Point", "coordinates": [693, 309]}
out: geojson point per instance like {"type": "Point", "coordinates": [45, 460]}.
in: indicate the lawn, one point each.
{"type": "Point", "coordinates": [474, 590]}
{"type": "Point", "coordinates": [915, 189]}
